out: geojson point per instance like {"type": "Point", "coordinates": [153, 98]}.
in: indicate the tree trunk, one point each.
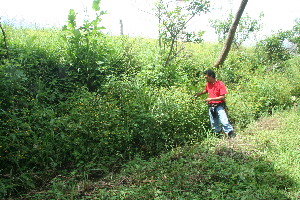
{"type": "Point", "coordinates": [4, 38]}
{"type": "Point", "coordinates": [230, 36]}
{"type": "Point", "coordinates": [121, 27]}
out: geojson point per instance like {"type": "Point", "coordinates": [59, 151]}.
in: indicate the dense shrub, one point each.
{"type": "Point", "coordinates": [292, 72]}
{"type": "Point", "coordinates": [272, 49]}
{"type": "Point", "coordinates": [259, 95]}
{"type": "Point", "coordinates": [159, 118]}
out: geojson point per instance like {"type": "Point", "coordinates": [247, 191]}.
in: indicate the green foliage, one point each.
{"type": "Point", "coordinates": [261, 163]}
{"type": "Point", "coordinates": [4, 51]}
{"type": "Point", "coordinates": [263, 94]}
{"type": "Point", "coordinates": [295, 35]}
{"type": "Point", "coordinates": [155, 119]}
{"type": "Point", "coordinates": [247, 27]}
{"type": "Point", "coordinates": [259, 86]}
{"type": "Point", "coordinates": [293, 74]}
{"type": "Point", "coordinates": [272, 49]}
{"type": "Point", "coordinates": [82, 46]}
{"type": "Point", "coordinates": [173, 21]}
{"type": "Point", "coordinates": [77, 103]}
{"type": "Point", "coordinates": [96, 5]}
{"type": "Point", "coordinates": [92, 56]}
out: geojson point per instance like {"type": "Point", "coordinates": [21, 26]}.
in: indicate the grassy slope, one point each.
{"type": "Point", "coordinates": [262, 162]}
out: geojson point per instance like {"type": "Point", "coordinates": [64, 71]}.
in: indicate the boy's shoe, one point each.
{"type": "Point", "coordinates": [231, 134]}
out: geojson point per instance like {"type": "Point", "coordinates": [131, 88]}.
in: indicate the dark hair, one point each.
{"type": "Point", "coordinates": [210, 73]}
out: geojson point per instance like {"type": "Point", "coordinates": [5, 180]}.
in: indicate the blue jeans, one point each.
{"type": "Point", "coordinates": [221, 121]}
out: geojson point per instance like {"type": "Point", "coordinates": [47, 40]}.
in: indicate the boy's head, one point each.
{"type": "Point", "coordinates": [210, 73]}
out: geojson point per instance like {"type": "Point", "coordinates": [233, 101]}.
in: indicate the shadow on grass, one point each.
{"type": "Point", "coordinates": [199, 173]}
{"type": "Point", "coordinates": [231, 174]}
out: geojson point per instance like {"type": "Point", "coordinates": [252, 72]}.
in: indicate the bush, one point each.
{"type": "Point", "coordinates": [272, 49]}
{"type": "Point", "coordinates": [157, 117]}
{"type": "Point", "coordinates": [259, 95]}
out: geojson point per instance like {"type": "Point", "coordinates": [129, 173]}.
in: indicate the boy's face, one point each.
{"type": "Point", "coordinates": [209, 79]}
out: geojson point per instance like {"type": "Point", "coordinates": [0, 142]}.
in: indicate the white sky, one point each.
{"type": "Point", "coordinates": [279, 14]}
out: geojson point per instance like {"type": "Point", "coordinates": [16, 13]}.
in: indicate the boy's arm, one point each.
{"type": "Point", "coordinates": [220, 98]}
{"type": "Point", "coordinates": [200, 93]}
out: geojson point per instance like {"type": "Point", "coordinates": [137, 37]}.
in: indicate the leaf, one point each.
{"type": "Point", "coordinates": [30, 40]}
{"type": "Point", "coordinates": [72, 18]}
{"type": "Point", "coordinates": [96, 4]}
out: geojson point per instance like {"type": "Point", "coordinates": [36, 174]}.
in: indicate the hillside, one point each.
{"type": "Point", "coordinates": [262, 162]}
{"type": "Point", "coordinates": [78, 105]}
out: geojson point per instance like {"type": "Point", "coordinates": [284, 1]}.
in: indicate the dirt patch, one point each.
{"type": "Point", "coordinates": [267, 124]}
{"type": "Point", "coordinates": [243, 144]}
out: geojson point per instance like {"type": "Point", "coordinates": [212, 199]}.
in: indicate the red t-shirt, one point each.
{"type": "Point", "coordinates": [215, 90]}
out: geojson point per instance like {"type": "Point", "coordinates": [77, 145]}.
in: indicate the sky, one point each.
{"type": "Point", "coordinates": [137, 15]}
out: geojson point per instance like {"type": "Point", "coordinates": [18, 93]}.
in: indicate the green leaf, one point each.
{"type": "Point", "coordinates": [72, 18]}
{"type": "Point", "coordinates": [96, 4]}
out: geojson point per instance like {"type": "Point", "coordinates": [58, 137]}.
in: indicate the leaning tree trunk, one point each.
{"type": "Point", "coordinates": [231, 34]}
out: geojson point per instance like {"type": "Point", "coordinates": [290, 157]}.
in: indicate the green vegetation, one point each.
{"type": "Point", "coordinates": [173, 25]}
{"type": "Point", "coordinates": [247, 27]}
{"type": "Point", "coordinates": [77, 105]}
{"type": "Point", "coordinates": [261, 163]}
